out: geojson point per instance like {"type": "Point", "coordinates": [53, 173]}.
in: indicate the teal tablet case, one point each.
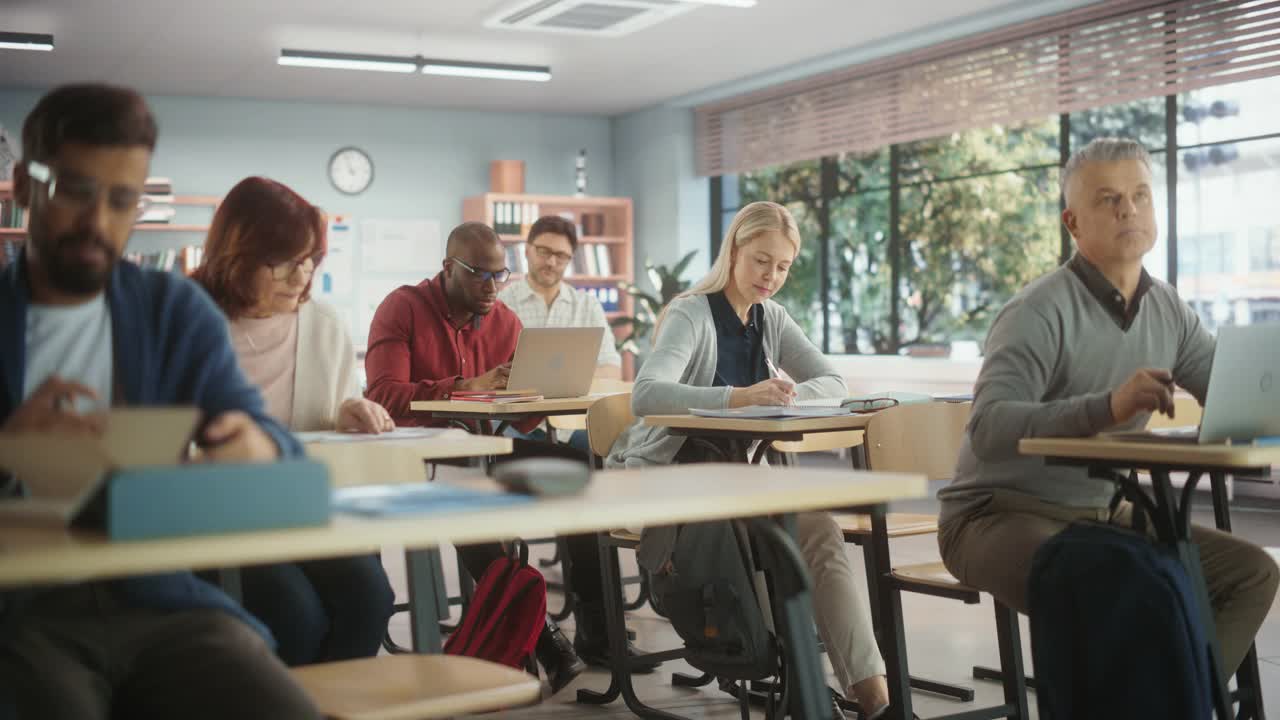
{"type": "Point", "coordinates": [159, 502]}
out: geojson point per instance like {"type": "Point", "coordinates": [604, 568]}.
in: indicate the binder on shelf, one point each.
{"type": "Point", "coordinates": [589, 260]}
{"type": "Point", "coordinates": [603, 262]}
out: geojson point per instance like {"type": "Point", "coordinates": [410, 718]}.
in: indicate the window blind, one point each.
{"type": "Point", "coordinates": [1101, 54]}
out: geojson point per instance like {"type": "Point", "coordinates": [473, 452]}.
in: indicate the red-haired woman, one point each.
{"type": "Point", "coordinates": [259, 258]}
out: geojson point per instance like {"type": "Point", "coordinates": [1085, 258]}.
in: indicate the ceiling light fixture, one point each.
{"type": "Point", "coordinates": [413, 64]}
{"type": "Point", "coordinates": [726, 3]}
{"type": "Point", "coordinates": [25, 41]}
{"type": "Point", "coordinates": [347, 61]}
{"type": "Point", "coordinates": [492, 71]}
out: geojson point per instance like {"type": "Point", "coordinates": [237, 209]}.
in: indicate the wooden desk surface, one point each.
{"type": "Point", "coordinates": [1226, 457]}
{"type": "Point", "coordinates": [538, 407]}
{"type": "Point", "coordinates": [396, 457]}
{"type": "Point", "coordinates": [615, 498]}
{"type": "Point", "coordinates": [761, 426]}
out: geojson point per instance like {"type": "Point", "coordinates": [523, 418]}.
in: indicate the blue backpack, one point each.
{"type": "Point", "coordinates": [1114, 629]}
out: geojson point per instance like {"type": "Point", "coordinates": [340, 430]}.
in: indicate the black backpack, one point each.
{"type": "Point", "coordinates": [709, 596]}
{"type": "Point", "coordinates": [1115, 630]}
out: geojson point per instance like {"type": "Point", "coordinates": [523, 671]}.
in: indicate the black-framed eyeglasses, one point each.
{"type": "Point", "coordinates": [547, 253]}
{"type": "Point", "coordinates": [285, 270]}
{"type": "Point", "coordinates": [77, 192]}
{"type": "Point", "coordinates": [484, 276]}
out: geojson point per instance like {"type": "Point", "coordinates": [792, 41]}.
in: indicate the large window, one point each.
{"type": "Point", "coordinates": [916, 247]}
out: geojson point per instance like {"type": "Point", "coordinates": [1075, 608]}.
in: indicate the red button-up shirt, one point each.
{"type": "Point", "coordinates": [415, 353]}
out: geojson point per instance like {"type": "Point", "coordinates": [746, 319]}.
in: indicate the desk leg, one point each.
{"type": "Point", "coordinates": [427, 600]}
{"type": "Point", "coordinates": [1177, 533]}
{"type": "Point", "coordinates": [1248, 679]}
{"type": "Point", "coordinates": [893, 638]}
{"type": "Point", "coordinates": [808, 696]}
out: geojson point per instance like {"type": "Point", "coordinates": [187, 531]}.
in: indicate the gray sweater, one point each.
{"type": "Point", "coordinates": [1053, 355]}
{"type": "Point", "coordinates": [678, 373]}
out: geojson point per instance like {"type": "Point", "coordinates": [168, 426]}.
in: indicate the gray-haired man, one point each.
{"type": "Point", "coordinates": [1097, 344]}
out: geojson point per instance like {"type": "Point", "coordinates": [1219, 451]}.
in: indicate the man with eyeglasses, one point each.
{"type": "Point", "coordinates": [453, 333]}
{"type": "Point", "coordinates": [447, 333]}
{"type": "Point", "coordinates": [544, 299]}
{"type": "Point", "coordinates": [81, 332]}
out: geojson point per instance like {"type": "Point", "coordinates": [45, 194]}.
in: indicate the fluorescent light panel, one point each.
{"type": "Point", "coordinates": [347, 61]}
{"type": "Point", "coordinates": [454, 68]}
{"type": "Point", "coordinates": [414, 63]}
{"type": "Point", "coordinates": [25, 41]}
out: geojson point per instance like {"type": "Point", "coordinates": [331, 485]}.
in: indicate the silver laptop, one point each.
{"type": "Point", "coordinates": [556, 362]}
{"type": "Point", "coordinates": [1243, 399]}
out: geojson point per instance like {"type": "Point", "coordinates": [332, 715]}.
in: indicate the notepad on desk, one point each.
{"type": "Point", "coordinates": [419, 499]}
{"type": "Point", "coordinates": [770, 412]}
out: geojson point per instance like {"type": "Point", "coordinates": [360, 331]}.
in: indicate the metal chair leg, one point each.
{"type": "Point", "coordinates": [1009, 636]}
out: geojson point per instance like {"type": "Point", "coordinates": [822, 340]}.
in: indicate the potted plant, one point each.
{"type": "Point", "coordinates": [669, 282]}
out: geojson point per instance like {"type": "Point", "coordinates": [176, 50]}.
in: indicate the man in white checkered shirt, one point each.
{"type": "Point", "coordinates": [544, 299]}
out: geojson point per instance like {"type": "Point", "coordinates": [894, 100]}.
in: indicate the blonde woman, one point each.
{"type": "Point", "coordinates": [716, 347]}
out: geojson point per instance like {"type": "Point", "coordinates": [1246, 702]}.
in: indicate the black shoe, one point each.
{"type": "Point", "coordinates": [593, 648]}
{"type": "Point", "coordinates": [557, 657]}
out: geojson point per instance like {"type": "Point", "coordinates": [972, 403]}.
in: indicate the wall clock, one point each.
{"type": "Point", "coordinates": [351, 170]}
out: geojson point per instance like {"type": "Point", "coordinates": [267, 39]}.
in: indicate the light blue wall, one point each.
{"type": "Point", "coordinates": [653, 161]}
{"type": "Point", "coordinates": [426, 161]}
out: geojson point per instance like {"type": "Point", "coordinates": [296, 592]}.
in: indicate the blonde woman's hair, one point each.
{"type": "Point", "coordinates": [752, 221]}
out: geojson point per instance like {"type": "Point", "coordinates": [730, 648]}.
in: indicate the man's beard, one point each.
{"type": "Point", "coordinates": [67, 273]}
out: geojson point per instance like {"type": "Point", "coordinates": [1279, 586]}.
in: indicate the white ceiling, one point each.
{"type": "Point", "coordinates": [229, 47]}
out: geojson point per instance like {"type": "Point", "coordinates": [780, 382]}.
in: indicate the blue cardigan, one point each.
{"type": "Point", "coordinates": [172, 347]}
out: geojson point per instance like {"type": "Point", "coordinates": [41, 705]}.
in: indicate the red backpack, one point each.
{"type": "Point", "coordinates": [507, 612]}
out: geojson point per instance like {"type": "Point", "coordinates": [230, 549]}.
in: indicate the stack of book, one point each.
{"type": "Point", "coordinates": [511, 218]}
{"type": "Point", "coordinates": [9, 249]}
{"type": "Point", "coordinates": [495, 396]}
{"type": "Point", "coordinates": [608, 297]}
{"type": "Point", "coordinates": [159, 192]}
{"type": "Point", "coordinates": [11, 216]}
{"type": "Point", "coordinates": [592, 260]}
{"type": "Point", "coordinates": [165, 260]}
{"type": "Point", "coordinates": [516, 261]}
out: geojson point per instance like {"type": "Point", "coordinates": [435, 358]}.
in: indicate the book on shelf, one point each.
{"type": "Point", "coordinates": [604, 263]}
{"type": "Point", "coordinates": [158, 186]}
{"type": "Point", "coordinates": [158, 215]}
{"type": "Point", "coordinates": [11, 216]}
{"type": "Point", "coordinates": [495, 396]}
{"type": "Point", "coordinates": [588, 260]}
{"type": "Point", "coordinates": [9, 250]}
{"type": "Point", "coordinates": [165, 260]}
{"type": "Point", "coordinates": [513, 218]}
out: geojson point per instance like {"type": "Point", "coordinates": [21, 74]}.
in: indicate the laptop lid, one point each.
{"type": "Point", "coordinates": [1243, 400]}
{"type": "Point", "coordinates": [556, 362]}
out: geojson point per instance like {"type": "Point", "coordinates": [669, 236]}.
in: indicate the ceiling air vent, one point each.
{"type": "Point", "coordinates": [602, 18]}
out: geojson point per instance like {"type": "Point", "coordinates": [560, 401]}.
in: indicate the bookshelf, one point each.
{"type": "Point", "coordinates": [154, 244]}
{"type": "Point", "coordinates": [604, 258]}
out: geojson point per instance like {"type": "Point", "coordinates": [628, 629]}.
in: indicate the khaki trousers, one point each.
{"type": "Point", "coordinates": [841, 611]}
{"type": "Point", "coordinates": [990, 548]}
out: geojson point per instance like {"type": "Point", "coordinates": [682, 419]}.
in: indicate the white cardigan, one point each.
{"type": "Point", "coordinates": [324, 373]}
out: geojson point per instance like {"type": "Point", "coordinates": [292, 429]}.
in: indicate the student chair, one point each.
{"type": "Point", "coordinates": [925, 439]}
{"type": "Point", "coordinates": [856, 528]}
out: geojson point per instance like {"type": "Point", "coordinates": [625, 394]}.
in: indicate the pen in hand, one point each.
{"type": "Point", "coordinates": [776, 373]}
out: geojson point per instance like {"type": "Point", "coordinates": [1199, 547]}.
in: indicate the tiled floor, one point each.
{"type": "Point", "coordinates": [945, 638]}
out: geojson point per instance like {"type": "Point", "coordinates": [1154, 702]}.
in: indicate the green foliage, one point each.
{"type": "Point", "coordinates": [978, 218]}
{"type": "Point", "coordinates": [669, 282]}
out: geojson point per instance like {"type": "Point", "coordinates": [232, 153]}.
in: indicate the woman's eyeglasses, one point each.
{"type": "Point", "coordinates": [285, 270]}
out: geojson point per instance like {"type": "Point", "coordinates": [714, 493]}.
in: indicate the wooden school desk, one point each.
{"type": "Point", "coordinates": [620, 498]}
{"type": "Point", "coordinates": [1170, 515]}
{"type": "Point", "coordinates": [493, 418]}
